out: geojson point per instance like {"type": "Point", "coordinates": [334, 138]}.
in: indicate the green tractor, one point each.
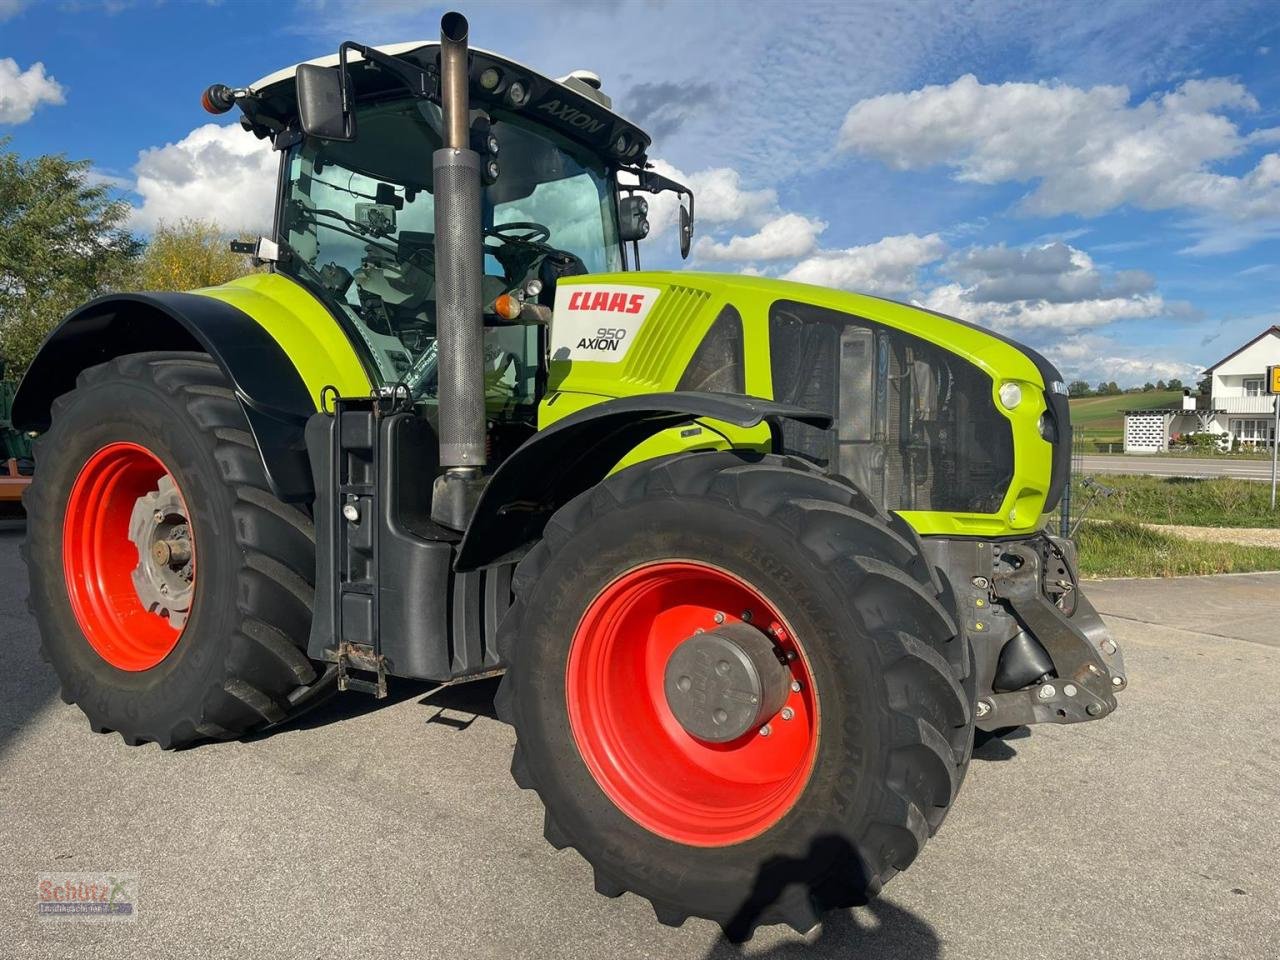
{"type": "Point", "coordinates": [755, 559]}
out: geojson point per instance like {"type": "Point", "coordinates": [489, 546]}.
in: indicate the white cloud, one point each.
{"type": "Point", "coordinates": [888, 266]}
{"type": "Point", "coordinates": [23, 91]}
{"type": "Point", "coordinates": [10, 9]}
{"type": "Point", "coordinates": [1086, 150]}
{"type": "Point", "coordinates": [217, 173]}
{"type": "Point", "coordinates": [784, 238]}
{"type": "Point", "coordinates": [722, 199]}
{"type": "Point", "coordinates": [719, 196]}
{"type": "Point", "coordinates": [957, 300]}
{"type": "Point", "coordinates": [1052, 286]}
{"type": "Point", "coordinates": [1092, 357]}
{"type": "Point", "coordinates": [1055, 272]}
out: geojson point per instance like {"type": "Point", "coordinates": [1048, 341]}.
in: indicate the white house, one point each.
{"type": "Point", "coordinates": [1237, 409]}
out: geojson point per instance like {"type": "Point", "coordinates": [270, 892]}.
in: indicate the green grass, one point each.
{"type": "Point", "coordinates": [1220, 502]}
{"type": "Point", "coordinates": [1102, 414]}
{"type": "Point", "coordinates": [1127, 549]}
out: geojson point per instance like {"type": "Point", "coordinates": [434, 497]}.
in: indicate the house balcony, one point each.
{"type": "Point", "coordinates": [1239, 406]}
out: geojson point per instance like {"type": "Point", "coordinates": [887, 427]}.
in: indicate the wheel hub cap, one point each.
{"type": "Point", "coordinates": [720, 685]}
{"type": "Point", "coordinates": [159, 528]}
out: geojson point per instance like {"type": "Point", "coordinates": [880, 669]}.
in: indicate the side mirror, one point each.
{"type": "Point", "coordinates": [322, 103]}
{"type": "Point", "coordinates": [686, 231]}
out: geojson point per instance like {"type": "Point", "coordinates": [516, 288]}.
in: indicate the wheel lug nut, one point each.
{"type": "Point", "coordinates": [746, 616]}
{"type": "Point", "coordinates": [719, 617]}
{"type": "Point", "coordinates": [795, 686]}
{"type": "Point", "coordinates": [787, 713]}
{"type": "Point", "coordinates": [766, 730]}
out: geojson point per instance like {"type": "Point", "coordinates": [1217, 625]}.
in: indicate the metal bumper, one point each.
{"type": "Point", "coordinates": [1087, 662]}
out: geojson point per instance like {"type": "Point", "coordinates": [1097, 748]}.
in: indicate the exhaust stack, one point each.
{"type": "Point", "coordinates": [459, 269]}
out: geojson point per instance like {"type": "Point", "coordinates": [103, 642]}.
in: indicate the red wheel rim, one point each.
{"type": "Point", "coordinates": [98, 558]}
{"type": "Point", "coordinates": [658, 774]}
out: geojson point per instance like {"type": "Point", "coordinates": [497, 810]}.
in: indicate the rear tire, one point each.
{"type": "Point", "coordinates": [239, 660]}
{"type": "Point", "coordinates": [875, 628]}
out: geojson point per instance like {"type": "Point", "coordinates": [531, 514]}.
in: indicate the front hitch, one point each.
{"type": "Point", "coordinates": [1087, 662]}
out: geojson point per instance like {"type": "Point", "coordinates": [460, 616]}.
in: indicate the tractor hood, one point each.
{"type": "Point", "coordinates": [573, 106]}
{"type": "Point", "coordinates": [934, 378]}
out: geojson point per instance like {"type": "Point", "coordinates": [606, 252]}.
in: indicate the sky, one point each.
{"type": "Point", "coordinates": [1100, 181]}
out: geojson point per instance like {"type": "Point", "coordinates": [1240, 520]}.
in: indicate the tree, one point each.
{"type": "Point", "coordinates": [1149, 386]}
{"type": "Point", "coordinates": [1079, 388]}
{"type": "Point", "coordinates": [1160, 385]}
{"type": "Point", "coordinates": [1175, 384]}
{"type": "Point", "coordinates": [63, 241]}
{"type": "Point", "coordinates": [1113, 388]}
{"type": "Point", "coordinates": [188, 255]}
{"type": "Point", "coordinates": [1103, 389]}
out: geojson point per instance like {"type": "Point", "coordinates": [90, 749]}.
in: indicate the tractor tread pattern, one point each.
{"type": "Point", "coordinates": [925, 662]}
{"type": "Point", "coordinates": [267, 672]}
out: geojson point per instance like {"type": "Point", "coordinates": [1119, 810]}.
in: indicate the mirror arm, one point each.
{"type": "Point", "coordinates": [417, 80]}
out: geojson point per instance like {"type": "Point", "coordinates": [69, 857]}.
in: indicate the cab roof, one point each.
{"type": "Point", "coordinates": [572, 106]}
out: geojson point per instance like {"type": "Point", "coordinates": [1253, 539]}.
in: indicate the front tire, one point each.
{"type": "Point", "coordinates": [211, 646]}
{"type": "Point", "coordinates": [853, 770]}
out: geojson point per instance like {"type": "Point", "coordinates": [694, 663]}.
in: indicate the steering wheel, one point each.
{"type": "Point", "coordinates": [520, 231]}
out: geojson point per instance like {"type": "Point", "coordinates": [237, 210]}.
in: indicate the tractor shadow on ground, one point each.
{"type": "Point", "coordinates": [879, 929]}
{"type": "Point", "coordinates": [453, 706]}
{"type": "Point", "coordinates": [461, 705]}
{"type": "Point", "coordinates": [28, 684]}
{"type": "Point", "coordinates": [999, 748]}
{"type": "Point", "coordinates": [338, 707]}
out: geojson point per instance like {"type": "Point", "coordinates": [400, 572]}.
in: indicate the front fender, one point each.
{"type": "Point", "coordinates": [577, 452]}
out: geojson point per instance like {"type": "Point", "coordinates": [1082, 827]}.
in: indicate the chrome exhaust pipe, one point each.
{"type": "Point", "coordinates": [459, 271]}
{"type": "Point", "coordinates": [454, 92]}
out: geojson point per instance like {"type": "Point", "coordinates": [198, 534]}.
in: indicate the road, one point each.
{"type": "Point", "coordinates": [394, 830]}
{"type": "Point", "coordinates": [1179, 466]}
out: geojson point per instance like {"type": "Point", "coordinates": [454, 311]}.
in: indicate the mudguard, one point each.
{"type": "Point", "coordinates": [275, 398]}
{"type": "Point", "coordinates": [577, 452]}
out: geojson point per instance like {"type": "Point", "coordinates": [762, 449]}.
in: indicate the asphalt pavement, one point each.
{"type": "Point", "coordinates": [393, 829]}
{"type": "Point", "coordinates": [1179, 466]}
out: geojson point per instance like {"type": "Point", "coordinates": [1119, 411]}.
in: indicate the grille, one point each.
{"type": "Point", "coordinates": [914, 426]}
{"type": "Point", "coordinates": [650, 357]}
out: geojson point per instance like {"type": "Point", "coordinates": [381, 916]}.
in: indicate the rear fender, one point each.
{"type": "Point", "coordinates": [272, 391]}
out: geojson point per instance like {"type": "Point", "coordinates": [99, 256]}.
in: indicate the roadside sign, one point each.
{"type": "Point", "coordinates": [1273, 379]}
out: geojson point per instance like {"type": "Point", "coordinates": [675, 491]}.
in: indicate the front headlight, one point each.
{"type": "Point", "coordinates": [1010, 394]}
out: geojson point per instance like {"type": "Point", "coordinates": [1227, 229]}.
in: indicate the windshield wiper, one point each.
{"type": "Point", "coordinates": [347, 231]}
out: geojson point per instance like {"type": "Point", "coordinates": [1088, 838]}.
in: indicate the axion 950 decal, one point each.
{"type": "Point", "coordinates": [598, 321]}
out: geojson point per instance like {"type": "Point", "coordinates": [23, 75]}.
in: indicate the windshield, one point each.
{"type": "Point", "coordinates": [360, 221]}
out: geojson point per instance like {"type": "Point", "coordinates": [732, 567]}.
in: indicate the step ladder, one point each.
{"type": "Point", "coordinates": [357, 644]}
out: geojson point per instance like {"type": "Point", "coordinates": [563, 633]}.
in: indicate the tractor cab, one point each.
{"type": "Point", "coordinates": [356, 216]}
